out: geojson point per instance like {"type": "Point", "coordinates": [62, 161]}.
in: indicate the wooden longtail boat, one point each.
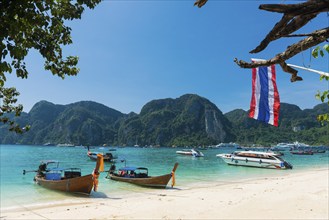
{"type": "Point", "coordinates": [67, 179]}
{"type": "Point", "coordinates": [139, 176]}
{"type": "Point", "coordinates": [81, 184]}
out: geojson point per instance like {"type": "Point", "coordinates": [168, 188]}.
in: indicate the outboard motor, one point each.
{"type": "Point", "coordinates": [42, 169]}
{"type": "Point", "coordinates": [112, 169]}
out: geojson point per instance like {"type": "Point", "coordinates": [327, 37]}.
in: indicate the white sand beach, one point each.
{"type": "Point", "coordinates": [290, 195]}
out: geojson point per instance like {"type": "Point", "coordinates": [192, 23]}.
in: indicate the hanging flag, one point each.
{"type": "Point", "coordinates": [265, 100]}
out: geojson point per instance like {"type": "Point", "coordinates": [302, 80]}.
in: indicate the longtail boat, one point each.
{"type": "Point", "coordinates": [139, 176]}
{"type": "Point", "coordinates": [51, 176]}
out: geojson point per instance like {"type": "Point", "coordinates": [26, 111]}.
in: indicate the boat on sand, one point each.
{"type": "Point", "coordinates": [140, 176]}
{"type": "Point", "coordinates": [51, 176]}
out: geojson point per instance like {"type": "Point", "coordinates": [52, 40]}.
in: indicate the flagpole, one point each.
{"type": "Point", "coordinates": [309, 69]}
{"type": "Point", "coordinates": [300, 67]}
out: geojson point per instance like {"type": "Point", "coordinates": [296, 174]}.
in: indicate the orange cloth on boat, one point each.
{"type": "Point", "coordinates": [173, 179]}
{"type": "Point", "coordinates": [100, 163]}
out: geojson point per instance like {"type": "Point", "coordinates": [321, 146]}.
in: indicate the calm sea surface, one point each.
{"type": "Point", "coordinates": [18, 189]}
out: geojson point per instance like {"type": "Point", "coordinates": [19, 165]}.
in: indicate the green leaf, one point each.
{"type": "Point", "coordinates": [315, 52]}
{"type": "Point", "coordinates": [317, 96]}
{"type": "Point", "coordinates": [326, 47]}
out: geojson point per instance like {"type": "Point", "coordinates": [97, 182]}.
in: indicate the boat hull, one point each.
{"type": "Point", "coordinates": [151, 181]}
{"type": "Point", "coordinates": [184, 153]}
{"type": "Point", "coordinates": [302, 152]}
{"type": "Point", "coordinates": [82, 184]}
{"type": "Point", "coordinates": [193, 153]}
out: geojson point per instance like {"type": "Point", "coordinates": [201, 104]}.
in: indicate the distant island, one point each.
{"type": "Point", "coordinates": [189, 120]}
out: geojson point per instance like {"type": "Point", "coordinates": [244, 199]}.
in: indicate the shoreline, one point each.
{"type": "Point", "coordinates": [299, 195]}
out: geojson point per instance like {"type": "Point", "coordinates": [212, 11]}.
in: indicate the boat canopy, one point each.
{"type": "Point", "coordinates": [53, 163]}
{"type": "Point", "coordinates": [62, 169]}
{"type": "Point", "coordinates": [49, 161]}
{"type": "Point", "coordinates": [132, 168]}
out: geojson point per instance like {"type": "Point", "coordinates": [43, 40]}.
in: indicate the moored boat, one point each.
{"type": "Point", "coordinates": [283, 147]}
{"type": "Point", "coordinates": [278, 153]}
{"type": "Point", "coordinates": [191, 152]}
{"type": "Point", "coordinates": [107, 157]}
{"type": "Point", "coordinates": [51, 176]}
{"type": "Point", "coordinates": [302, 152]}
{"type": "Point", "coordinates": [255, 159]}
{"type": "Point", "coordinates": [139, 176]}
{"type": "Point", "coordinates": [65, 145]}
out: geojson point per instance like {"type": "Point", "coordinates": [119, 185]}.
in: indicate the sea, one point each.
{"type": "Point", "coordinates": [18, 190]}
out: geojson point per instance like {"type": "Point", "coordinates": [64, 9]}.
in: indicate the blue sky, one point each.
{"type": "Point", "coordinates": [132, 52]}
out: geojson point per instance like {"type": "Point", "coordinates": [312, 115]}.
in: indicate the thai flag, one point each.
{"type": "Point", "coordinates": [265, 100]}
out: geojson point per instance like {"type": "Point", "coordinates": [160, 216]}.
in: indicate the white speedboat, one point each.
{"type": "Point", "coordinates": [283, 147]}
{"type": "Point", "coordinates": [255, 159]}
{"type": "Point", "coordinates": [192, 152]}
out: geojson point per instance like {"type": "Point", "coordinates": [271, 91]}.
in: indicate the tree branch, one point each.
{"type": "Point", "coordinates": [283, 29]}
{"type": "Point", "coordinates": [294, 17]}
{"type": "Point", "coordinates": [317, 37]}
{"type": "Point", "coordinates": [309, 7]}
{"type": "Point", "coordinates": [200, 3]}
{"type": "Point", "coordinates": [273, 35]}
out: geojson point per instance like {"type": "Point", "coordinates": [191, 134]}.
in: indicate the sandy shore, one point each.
{"type": "Point", "coordinates": [290, 195]}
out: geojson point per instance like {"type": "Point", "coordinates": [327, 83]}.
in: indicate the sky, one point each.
{"type": "Point", "coordinates": [132, 52]}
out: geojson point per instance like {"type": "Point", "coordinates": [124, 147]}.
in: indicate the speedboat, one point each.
{"type": "Point", "coordinates": [255, 159]}
{"type": "Point", "coordinates": [283, 147]}
{"type": "Point", "coordinates": [191, 152]}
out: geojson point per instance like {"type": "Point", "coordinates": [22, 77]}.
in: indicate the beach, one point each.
{"type": "Point", "coordinates": [288, 195]}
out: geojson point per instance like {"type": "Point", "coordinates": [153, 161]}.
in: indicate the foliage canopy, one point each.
{"type": "Point", "coordinates": [35, 25]}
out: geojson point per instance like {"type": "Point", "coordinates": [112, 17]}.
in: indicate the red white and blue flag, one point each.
{"type": "Point", "coordinates": [265, 100]}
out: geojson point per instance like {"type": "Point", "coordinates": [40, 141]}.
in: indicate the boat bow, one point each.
{"type": "Point", "coordinates": [173, 180]}
{"type": "Point", "coordinates": [99, 168]}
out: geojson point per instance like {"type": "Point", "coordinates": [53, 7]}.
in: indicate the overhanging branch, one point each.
{"type": "Point", "coordinates": [309, 7]}
{"type": "Point", "coordinates": [295, 16]}
{"type": "Point", "coordinates": [316, 38]}
{"type": "Point", "coordinates": [200, 3]}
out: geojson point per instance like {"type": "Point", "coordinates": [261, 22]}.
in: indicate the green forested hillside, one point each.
{"type": "Point", "coordinates": [188, 120]}
{"type": "Point", "coordinates": [294, 125]}
{"type": "Point", "coordinates": [79, 123]}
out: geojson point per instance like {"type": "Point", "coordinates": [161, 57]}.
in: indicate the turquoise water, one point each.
{"type": "Point", "coordinates": [18, 189]}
